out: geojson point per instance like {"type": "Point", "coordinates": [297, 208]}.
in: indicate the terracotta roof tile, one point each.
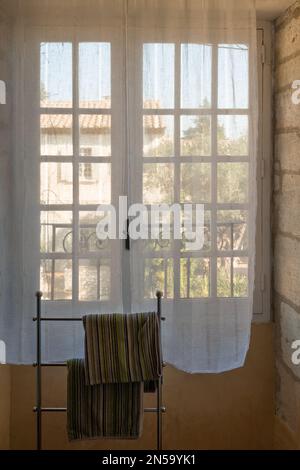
{"type": "Point", "coordinates": [95, 122]}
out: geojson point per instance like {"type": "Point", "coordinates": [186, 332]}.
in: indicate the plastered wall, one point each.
{"type": "Point", "coordinates": [234, 410]}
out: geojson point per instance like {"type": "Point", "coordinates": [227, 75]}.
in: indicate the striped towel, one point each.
{"type": "Point", "coordinates": [122, 348]}
{"type": "Point", "coordinates": [106, 410]}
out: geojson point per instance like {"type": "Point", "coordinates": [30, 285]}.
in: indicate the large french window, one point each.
{"type": "Point", "coordinates": [193, 147]}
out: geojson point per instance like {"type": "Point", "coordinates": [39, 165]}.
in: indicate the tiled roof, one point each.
{"type": "Point", "coordinates": [104, 103]}
{"type": "Point", "coordinates": [153, 122]}
{"type": "Point", "coordinates": [92, 122]}
{"type": "Point", "coordinates": [95, 122]}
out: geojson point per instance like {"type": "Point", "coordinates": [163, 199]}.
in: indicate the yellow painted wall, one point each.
{"type": "Point", "coordinates": [284, 438]}
{"type": "Point", "coordinates": [234, 410]}
{"type": "Point", "coordinates": [5, 402]}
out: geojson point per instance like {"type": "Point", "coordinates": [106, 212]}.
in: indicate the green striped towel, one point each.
{"type": "Point", "coordinates": [122, 348]}
{"type": "Point", "coordinates": [103, 411]}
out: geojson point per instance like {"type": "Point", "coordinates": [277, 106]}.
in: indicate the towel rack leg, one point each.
{"type": "Point", "coordinates": [159, 387]}
{"type": "Point", "coordinates": [159, 416]}
{"type": "Point", "coordinates": [38, 373]}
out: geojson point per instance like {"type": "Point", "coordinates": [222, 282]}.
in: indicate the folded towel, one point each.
{"type": "Point", "coordinates": [106, 410]}
{"type": "Point", "coordinates": [122, 348]}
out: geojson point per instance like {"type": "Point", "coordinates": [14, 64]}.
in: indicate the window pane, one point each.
{"type": "Point", "coordinates": [195, 182]}
{"type": "Point", "coordinates": [94, 75]}
{"type": "Point", "coordinates": [184, 289]}
{"type": "Point", "coordinates": [158, 73]}
{"type": "Point", "coordinates": [195, 76]}
{"type": "Point", "coordinates": [56, 75]}
{"type": "Point", "coordinates": [56, 279]}
{"type": "Point", "coordinates": [233, 183]}
{"type": "Point", "coordinates": [232, 230]}
{"type": "Point", "coordinates": [158, 133]}
{"type": "Point", "coordinates": [94, 279]}
{"type": "Point", "coordinates": [56, 183]}
{"type": "Point", "coordinates": [89, 242]}
{"type": "Point", "coordinates": [233, 135]}
{"type": "Point", "coordinates": [199, 278]}
{"type": "Point", "coordinates": [207, 233]}
{"type": "Point", "coordinates": [158, 275]}
{"type": "Point", "coordinates": [94, 183]}
{"type": "Point", "coordinates": [56, 232]}
{"type": "Point", "coordinates": [224, 277]}
{"type": "Point", "coordinates": [56, 134]}
{"type": "Point", "coordinates": [46, 278]}
{"type": "Point", "coordinates": [95, 135]}
{"type": "Point", "coordinates": [232, 277]}
{"type": "Point", "coordinates": [169, 281]}
{"type": "Point", "coordinates": [234, 70]}
{"type": "Point", "coordinates": [159, 244]}
{"type": "Point", "coordinates": [194, 278]}
{"type": "Point", "coordinates": [240, 277]}
{"type": "Point", "coordinates": [158, 183]}
{"type": "Point", "coordinates": [195, 136]}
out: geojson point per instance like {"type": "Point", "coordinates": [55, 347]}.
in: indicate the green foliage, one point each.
{"type": "Point", "coordinates": [195, 177]}
{"type": "Point", "coordinates": [196, 187]}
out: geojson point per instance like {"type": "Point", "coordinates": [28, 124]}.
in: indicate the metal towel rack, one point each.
{"type": "Point", "coordinates": [39, 409]}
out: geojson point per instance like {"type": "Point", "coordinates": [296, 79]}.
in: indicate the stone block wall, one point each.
{"type": "Point", "coordinates": [286, 223]}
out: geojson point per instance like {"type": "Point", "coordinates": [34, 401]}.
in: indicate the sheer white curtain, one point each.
{"type": "Point", "coordinates": [68, 157]}
{"type": "Point", "coordinates": [151, 99]}
{"type": "Point", "coordinates": [193, 64]}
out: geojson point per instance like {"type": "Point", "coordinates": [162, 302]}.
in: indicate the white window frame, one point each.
{"type": "Point", "coordinates": [262, 297]}
{"type": "Point", "coordinates": [264, 159]}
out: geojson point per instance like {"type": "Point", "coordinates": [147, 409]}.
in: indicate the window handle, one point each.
{"type": "Point", "coordinates": [127, 241]}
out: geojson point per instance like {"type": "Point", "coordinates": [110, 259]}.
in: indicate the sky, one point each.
{"type": "Point", "coordinates": [158, 75]}
{"type": "Point", "coordinates": [94, 71]}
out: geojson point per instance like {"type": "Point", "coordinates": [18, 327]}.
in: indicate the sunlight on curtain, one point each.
{"type": "Point", "coordinates": [198, 84]}
{"type": "Point", "coordinates": [151, 99]}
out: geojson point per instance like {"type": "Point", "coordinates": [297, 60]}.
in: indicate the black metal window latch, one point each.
{"type": "Point", "coordinates": [127, 241]}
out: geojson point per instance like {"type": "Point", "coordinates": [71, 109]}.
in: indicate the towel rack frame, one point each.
{"type": "Point", "coordinates": [39, 409]}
